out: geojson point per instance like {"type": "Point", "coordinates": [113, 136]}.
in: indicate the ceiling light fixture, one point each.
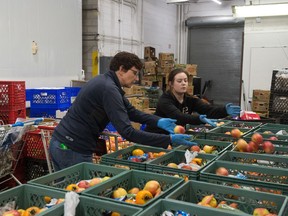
{"type": "Point", "coordinates": [176, 1]}
{"type": "Point", "coordinates": [217, 1]}
{"type": "Point", "coordinates": [260, 10]}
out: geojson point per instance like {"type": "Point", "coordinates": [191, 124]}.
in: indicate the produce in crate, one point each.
{"type": "Point", "coordinates": [257, 138]}
{"type": "Point", "coordinates": [118, 193]}
{"type": "Point", "coordinates": [172, 165]}
{"type": "Point", "coordinates": [222, 171]}
{"type": "Point", "coordinates": [208, 201]}
{"type": "Point", "coordinates": [179, 129]}
{"type": "Point", "coordinates": [195, 148]}
{"type": "Point", "coordinates": [268, 147]}
{"type": "Point", "coordinates": [236, 133]}
{"type": "Point", "coordinates": [12, 213]}
{"type": "Point", "coordinates": [241, 145]}
{"type": "Point", "coordinates": [261, 212]}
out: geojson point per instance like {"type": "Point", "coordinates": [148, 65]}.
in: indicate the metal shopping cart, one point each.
{"type": "Point", "coordinates": [11, 147]}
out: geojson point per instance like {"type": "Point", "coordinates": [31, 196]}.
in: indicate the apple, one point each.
{"type": "Point", "coordinates": [95, 181]}
{"type": "Point", "coordinates": [260, 212]}
{"type": "Point", "coordinates": [11, 213]}
{"type": "Point", "coordinates": [222, 171]}
{"type": "Point", "coordinates": [134, 190]}
{"type": "Point", "coordinates": [236, 133]}
{"type": "Point", "coordinates": [120, 192]}
{"type": "Point", "coordinates": [268, 147]}
{"type": "Point", "coordinates": [60, 200]}
{"type": "Point", "coordinates": [172, 165]}
{"type": "Point", "coordinates": [135, 159]}
{"type": "Point", "coordinates": [187, 167]}
{"type": "Point", "coordinates": [179, 129]}
{"type": "Point", "coordinates": [241, 145]}
{"type": "Point", "coordinates": [79, 190]}
{"type": "Point", "coordinates": [209, 201]}
{"type": "Point", "coordinates": [253, 146]}
{"type": "Point", "coordinates": [83, 184]}
{"type": "Point", "coordinates": [257, 138]}
{"type": "Point", "coordinates": [105, 178]}
{"type": "Point", "coordinates": [208, 149]}
{"type": "Point", "coordinates": [153, 187]}
{"type": "Point", "coordinates": [273, 138]}
{"type": "Point", "coordinates": [195, 148]}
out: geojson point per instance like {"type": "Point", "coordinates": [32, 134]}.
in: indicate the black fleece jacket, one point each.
{"type": "Point", "coordinates": [169, 107]}
{"type": "Point", "coordinates": [100, 101]}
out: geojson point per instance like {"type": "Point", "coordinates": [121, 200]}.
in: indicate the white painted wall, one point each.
{"type": "Point", "coordinates": [56, 27]}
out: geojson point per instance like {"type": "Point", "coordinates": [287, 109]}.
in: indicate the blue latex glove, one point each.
{"type": "Point", "coordinates": [205, 120]}
{"type": "Point", "coordinates": [233, 110]}
{"type": "Point", "coordinates": [182, 139]}
{"type": "Point", "coordinates": [167, 124]}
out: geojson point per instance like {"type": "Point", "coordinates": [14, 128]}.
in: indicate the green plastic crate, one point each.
{"type": "Point", "coordinates": [255, 159]}
{"type": "Point", "coordinates": [257, 176]}
{"type": "Point", "coordinates": [219, 133]}
{"type": "Point", "coordinates": [221, 146]}
{"type": "Point", "coordinates": [160, 206]}
{"type": "Point", "coordinates": [242, 124]}
{"type": "Point", "coordinates": [134, 178]}
{"type": "Point", "coordinates": [95, 207]}
{"type": "Point", "coordinates": [159, 165]}
{"type": "Point", "coordinates": [120, 157]}
{"type": "Point", "coordinates": [26, 196]}
{"type": "Point", "coordinates": [275, 126]}
{"type": "Point", "coordinates": [195, 191]}
{"type": "Point", "coordinates": [71, 175]}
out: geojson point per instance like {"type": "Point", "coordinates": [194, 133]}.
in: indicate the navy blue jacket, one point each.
{"type": "Point", "coordinates": [100, 101]}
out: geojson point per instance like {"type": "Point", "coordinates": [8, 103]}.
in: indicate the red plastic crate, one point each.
{"type": "Point", "coordinates": [34, 146]}
{"type": "Point", "coordinates": [10, 116]}
{"type": "Point", "coordinates": [12, 95]}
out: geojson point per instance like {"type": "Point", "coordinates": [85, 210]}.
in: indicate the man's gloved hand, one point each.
{"type": "Point", "coordinates": [205, 120]}
{"type": "Point", "coordinates": [167, 124]}
{"type": "Point", "coordinates": [182, 139]}
{"type": "Point", "coordinates": [233, 110]}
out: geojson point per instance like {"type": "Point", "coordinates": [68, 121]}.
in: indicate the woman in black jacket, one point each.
{"type": "Point", "coordinates": [177, 104]}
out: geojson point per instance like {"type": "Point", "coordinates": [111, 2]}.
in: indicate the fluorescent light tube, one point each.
{"type": "Point", "coordinates": [260, 10]}
{"type": "Point", "coordinates": [176, 1]}
{"type": "Point", "coordinates": [217, 1]}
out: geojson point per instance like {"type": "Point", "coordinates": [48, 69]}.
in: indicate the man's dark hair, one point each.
{"type": "Point", "coordinates": [127, 60]}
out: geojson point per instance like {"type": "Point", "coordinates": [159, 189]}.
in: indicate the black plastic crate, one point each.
{"type": "Point", "coordinates": [278, 103]}
{"type": "Point", "coordinates": [35, 168]}
{"type": "Point", "coordinates": [279, 81]}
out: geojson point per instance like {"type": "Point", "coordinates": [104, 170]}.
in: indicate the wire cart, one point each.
{"type": "Point", "coordinates": [11, 147]}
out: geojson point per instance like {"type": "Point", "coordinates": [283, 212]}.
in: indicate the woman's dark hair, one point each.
{"type": "Point", "coordinates": [127, 60]}
{"type": "Point", "coordinates": [174, 72]}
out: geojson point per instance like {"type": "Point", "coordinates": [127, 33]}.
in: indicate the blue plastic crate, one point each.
{"type": "Point", "coordinates": [73, 92]}
{"type": "Point", "coordinates": [50, 98]}
{"type": "Point", "coordinates": [45, 112]}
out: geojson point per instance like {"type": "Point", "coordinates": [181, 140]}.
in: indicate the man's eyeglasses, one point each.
{"type": "Point", "coordinates": [136, 73]}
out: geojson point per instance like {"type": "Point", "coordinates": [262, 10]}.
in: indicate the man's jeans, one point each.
{"type": "Point", "coordinates": [62, 158]}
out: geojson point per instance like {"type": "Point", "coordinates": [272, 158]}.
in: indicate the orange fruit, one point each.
{"type": "Point", "coordinates": [143, 196]}
{"type": "Point", "coordinates": [137, 152]}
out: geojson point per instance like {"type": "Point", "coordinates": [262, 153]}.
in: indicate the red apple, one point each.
{"type": "Point", "coordinates": [187, 167]}
{"type": "Point", "coordinates": [11, 213]}
{"type": "Point", "coordinates": [179, 129]}
{"type": "Point", "coordinates": [195, 148]}
{"type": "Point", "coordinates": [222, 171]}
{"type": "Point", "coordinates": [254, 146]}
{"type": "Point", "coordinates": [257, 138]}
{"type": "Point", "coordinates": [83, 184]}
{"type": "Point", "coordinates": [268, 147]}
{"type": "Point", "coordinates": [236, 133]}
{"type": "Point", "coordinates": [273, 138]}
{"type": "Point", "coordinates": [249, 148]}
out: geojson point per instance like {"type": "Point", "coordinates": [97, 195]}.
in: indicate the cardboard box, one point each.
{"type": "Point", "coordinates": [263, 114]}
{"type": "Point", "coordinates": [164, 70]}
{"type": "Point", "coordinates": [135, 89]}
{"type": "Point", "coordinates": [261, 95]}
{"type": "Point", "coordinates": [149, 52]}
{"type": "Point", "coordinates": [190, 90]}
{"type": "Point", "coordinates": [166, 63]}
{"type": "Point", "coordinates": [191, 69]}
{"type": "Point", "coordinates": [150, 71]}
{"type": "Point", "coordinates": [259, 106]}
{"type": "Point", "coordinates": [150, 64]}
{"type": "Point", "coordinates": [166, 56]}
{"type": "Point", "coordinates": [149, 110]}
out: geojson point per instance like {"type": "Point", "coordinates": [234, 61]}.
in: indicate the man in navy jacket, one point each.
{"type": "Point", "coordinates": [99, 102]}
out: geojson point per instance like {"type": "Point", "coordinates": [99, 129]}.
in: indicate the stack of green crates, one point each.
{"type": "Point", "coordinates": [159, 165]}
{"type": "Point", "coordinates": [131, 179]}
{"type": "Point", "coordinates": [247, 201]}
{"type": "Point", "coordinates": [120, 157]}
{"type": "Point", "coordinates": [71, 175]}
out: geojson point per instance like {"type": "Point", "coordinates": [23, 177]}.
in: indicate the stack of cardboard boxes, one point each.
{"type": "Point", "coordinates": [260, 102]}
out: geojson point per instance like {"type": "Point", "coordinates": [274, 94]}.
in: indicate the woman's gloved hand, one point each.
{"type": "Point", "coordinates": [182, 139]}
{"type": "Point", "coordinates": [205, 120]}
{"type": "Point", "coordinates": [232, 110]}
{"type": "Point", "coordinates": [167, 124]}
